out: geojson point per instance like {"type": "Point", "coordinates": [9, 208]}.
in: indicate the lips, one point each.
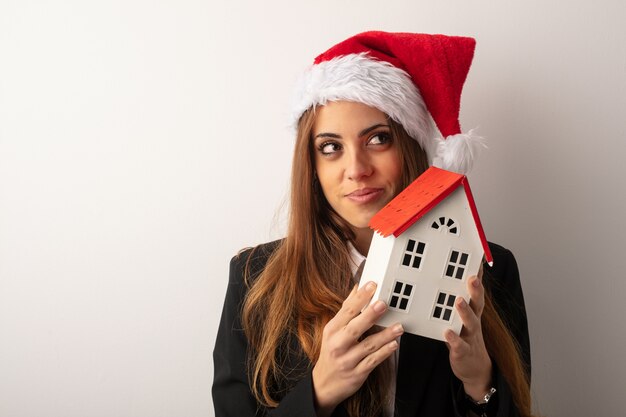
{"type": "Point", "coordinates": [365, 195]}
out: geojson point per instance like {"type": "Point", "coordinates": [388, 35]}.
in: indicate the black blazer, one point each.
{"type": "Point", "coordinates": [426, 385]}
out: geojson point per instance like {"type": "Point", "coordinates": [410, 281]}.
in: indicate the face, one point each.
{"type": "Point", "coordinates": [356, 159]}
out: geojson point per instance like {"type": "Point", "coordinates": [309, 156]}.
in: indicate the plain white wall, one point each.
{"type": "Point", "coordinates": [143, 143]}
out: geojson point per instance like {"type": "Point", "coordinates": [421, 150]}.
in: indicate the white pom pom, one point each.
{"type": "Point", "coordinates": [457, 153]}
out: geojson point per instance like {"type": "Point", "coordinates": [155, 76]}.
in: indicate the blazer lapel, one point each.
{"type": "Point", "coordinates": [415, 365]}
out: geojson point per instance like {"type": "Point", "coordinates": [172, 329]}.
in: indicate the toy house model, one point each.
{"type": "Point", "coordinates": [428, 241]}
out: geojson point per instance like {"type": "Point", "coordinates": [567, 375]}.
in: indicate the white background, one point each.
{"type": "Point", "coordinates": [142, 143]}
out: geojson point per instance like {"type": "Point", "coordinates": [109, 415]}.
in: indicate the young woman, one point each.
{"type": "Point", "coordinates": [297, 337]}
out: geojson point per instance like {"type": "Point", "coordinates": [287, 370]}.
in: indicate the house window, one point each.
{"type": "Point", "coordinates": [456, 264]}
{"type": "Point", "coordinates": [413, 253]}
{"type": "Point", "coordinates": [450, 224]}
{"type": "Point", "coordinates": [401, 296]}
{"type": "Point", "coordinates": [444, 306]}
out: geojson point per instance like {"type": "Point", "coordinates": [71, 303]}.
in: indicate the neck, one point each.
{"type": "Point", "coordinates": [363, 239]}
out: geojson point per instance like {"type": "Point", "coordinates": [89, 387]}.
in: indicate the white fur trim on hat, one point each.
{"type": "Point", "coordinates": [359, 78]}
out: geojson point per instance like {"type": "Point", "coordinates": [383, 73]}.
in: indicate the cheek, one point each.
{"type": "Point", "coordinates": [326, 175]}
{"type": "Point", "coordinates": [327, 186]}
{"type": "Point", "coordinates": [394, 172]}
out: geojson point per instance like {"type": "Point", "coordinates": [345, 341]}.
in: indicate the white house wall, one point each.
{"type": "Point", "coordinates": [376, 265]}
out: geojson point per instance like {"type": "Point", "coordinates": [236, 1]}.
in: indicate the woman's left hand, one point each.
{"type": "Point", "coordinates": [469, 359]}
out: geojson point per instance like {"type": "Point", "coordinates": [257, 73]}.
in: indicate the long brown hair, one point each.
{"type": "Point", "coordinates": [308, 276]}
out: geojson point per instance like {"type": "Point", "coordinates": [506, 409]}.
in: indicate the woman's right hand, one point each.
{"type": "Point", "coordinates": [345, 361]}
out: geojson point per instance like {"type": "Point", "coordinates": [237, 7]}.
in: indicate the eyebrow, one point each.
{"type": "Point", "coordinates": [361, 133]}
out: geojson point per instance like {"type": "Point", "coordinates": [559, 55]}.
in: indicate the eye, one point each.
{"type": "Point", "coordinates": [380, 138]}
{"type": "Point", "coordinates": [329, 148]}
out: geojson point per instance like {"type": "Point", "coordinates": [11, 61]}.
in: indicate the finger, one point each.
{"type": "Point", "coordinates": [457, 346]}
{"type": "Point", "coordinates": [363, 322]}
{"type": "Point", "coordinates": [477, 295]}
{"type": "Point", "coordinates": [370, 345]}
{"type": "Point", "coordinates": [375, 341]}
{"type": "Point", "coordinates": [352, 305]}
{"type": "Point", "coordinates": [371, 361]}
{"type": "Point", "coordinates": [471, 322]}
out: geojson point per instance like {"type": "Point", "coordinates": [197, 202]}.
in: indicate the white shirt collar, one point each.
{"type": "Point", "coordinates": [356, 259]}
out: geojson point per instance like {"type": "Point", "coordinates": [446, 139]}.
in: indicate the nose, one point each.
{"type": "Point", "coordinates": [358, 165]}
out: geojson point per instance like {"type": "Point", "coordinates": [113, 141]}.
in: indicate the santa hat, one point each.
{"type": "Point", "coordinates": [407, 76]}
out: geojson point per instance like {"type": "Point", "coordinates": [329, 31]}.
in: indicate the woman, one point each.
{"type": "Point", "coordinates": [297, 337]}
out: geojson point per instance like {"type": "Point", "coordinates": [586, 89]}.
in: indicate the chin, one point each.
{"type": "Point", "coordinates": [360, 219]}
{"type": "Point", "coordinates": [361, 222]}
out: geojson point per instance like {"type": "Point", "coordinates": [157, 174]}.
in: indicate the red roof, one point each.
{"type": "Point", "coordinates": [422, 195]}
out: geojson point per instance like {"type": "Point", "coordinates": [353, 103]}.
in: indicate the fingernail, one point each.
{"type": "Point", "coordinates": [379, 306]}
{"type": "Point", "coordinates": [462, 303]}
{"type": "Point", "coordinates": [476, 283]}
{"type": "Point", "coordinates": [392, 345]}
{"type": "Point", "coordinates": [398, 329]}
{"type": "Point", "coordinates": [370, 286]}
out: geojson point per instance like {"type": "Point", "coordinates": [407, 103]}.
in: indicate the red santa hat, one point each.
{"type": "Point", "coordinates": [410, 77]}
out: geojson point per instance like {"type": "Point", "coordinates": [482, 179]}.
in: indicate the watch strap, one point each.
{"type": "Point", "coordinates": [479, 408]}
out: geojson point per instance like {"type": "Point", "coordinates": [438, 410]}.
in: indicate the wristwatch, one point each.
{"type": "Point", "coordinates": [480, 407]}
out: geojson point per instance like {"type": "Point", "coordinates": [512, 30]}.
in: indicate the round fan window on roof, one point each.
{"type": "Point", "coordinates": [447, 223]}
